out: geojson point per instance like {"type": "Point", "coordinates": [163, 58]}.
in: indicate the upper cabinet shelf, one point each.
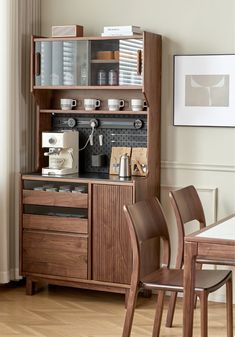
{"type": "Point", "coordinates": [104, 61]}
{"type": "Point", "coordinates": [73, 63]}
{"type": "Point", "coordinates": [100, 87]}
{"type": "Point", "coordinates": [94, 112]}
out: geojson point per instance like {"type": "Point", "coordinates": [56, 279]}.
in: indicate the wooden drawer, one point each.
{"type": "Point", "coordinates": [55, 254]}
{"type": "Point", "coordinates": [64, 199]}
{"type": "Point", "coordinates": [55, 223]}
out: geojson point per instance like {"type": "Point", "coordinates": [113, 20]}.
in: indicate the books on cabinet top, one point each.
{"type": "Point", "coordinates": [121, 30]}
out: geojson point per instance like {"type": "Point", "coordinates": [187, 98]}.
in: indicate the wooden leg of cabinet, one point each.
{"type": "Point", "coordinates": [30, 286]}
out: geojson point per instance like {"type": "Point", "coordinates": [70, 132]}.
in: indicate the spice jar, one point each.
{"type": "Point", "coordinates": [113, 77]}
{"type": "Point", "coordinates": [101, 77]}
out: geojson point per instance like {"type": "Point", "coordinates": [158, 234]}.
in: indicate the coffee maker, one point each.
{"type": "Point", "coordinates": [62, 152]}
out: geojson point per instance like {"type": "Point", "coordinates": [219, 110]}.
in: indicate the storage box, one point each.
{"type": "Point", "coordinates": [67, 31]}
{"type": "Point", "coordinates": [104, 55]}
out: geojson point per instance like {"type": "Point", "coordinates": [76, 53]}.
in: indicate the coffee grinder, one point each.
{"type": "Point", "coordinates": [62, 152]}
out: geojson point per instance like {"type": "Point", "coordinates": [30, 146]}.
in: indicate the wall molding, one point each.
{"type": "Point", "coordinates": [197, 166]}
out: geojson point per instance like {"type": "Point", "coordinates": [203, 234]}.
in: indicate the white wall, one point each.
{"type": "Point", "coordinates": [201, 156]}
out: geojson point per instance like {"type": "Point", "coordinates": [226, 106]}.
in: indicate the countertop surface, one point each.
{"type": "Point", "coordinates": [83, 176]}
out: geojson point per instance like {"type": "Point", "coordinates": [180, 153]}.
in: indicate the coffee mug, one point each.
{"type": "Point", "coordinates": [91, 104]}
{"type": "Point", "coordinates": [138, 104]}
{"type": "Point", "coordinates": [115, 104]}
{"type": "Point", "coordinates": [67, 103]}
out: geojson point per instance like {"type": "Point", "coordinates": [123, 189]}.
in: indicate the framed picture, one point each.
{"type": "Point", "coordinates": [204, 90]}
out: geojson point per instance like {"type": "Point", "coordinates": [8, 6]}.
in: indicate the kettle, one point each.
{"type": "Point", "coordinates": [124, 166]}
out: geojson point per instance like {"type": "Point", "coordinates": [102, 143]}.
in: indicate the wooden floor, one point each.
{"type": "Point", "coordinates": [67, 312]}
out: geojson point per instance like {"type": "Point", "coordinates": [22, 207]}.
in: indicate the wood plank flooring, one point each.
{"type": "Point", "coordinates": [66, 312]}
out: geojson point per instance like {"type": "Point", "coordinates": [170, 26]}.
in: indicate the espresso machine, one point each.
{"type": "Point", "coordinates": [62, 152]}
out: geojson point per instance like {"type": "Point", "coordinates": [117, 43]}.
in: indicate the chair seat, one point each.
{"type": "Point", "coordinates": [172, 279]}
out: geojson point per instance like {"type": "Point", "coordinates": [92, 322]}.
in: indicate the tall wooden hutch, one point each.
{"type": "Point", "coordinates": [81, 239]}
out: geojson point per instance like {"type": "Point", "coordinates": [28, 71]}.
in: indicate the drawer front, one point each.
{"type": "Point", "coordinates": [53, 223]}
{"type": "Point", "coordinates": [64, 199]}
{"type": "Point", "coordinates": [55, 254]}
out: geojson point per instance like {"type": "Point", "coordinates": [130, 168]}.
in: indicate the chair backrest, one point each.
{"type": "Point", "coordinates": [147, 225]}
{"type": "Point", "coordinates": [187, 207]}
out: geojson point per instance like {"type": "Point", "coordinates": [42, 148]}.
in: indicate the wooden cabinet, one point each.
{"type": "Point", "coordinates": [76, 239]}
{"type": "Point", "coordinates": [111, 258]}
{"type": "Point", "coordinates": [81, 239]}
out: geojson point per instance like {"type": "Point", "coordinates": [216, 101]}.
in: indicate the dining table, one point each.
{"type": "Point", "coordinates": [213, 243]}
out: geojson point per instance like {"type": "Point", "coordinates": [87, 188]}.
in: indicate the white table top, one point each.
{"type": "Point", "coordinates": [225, 230]}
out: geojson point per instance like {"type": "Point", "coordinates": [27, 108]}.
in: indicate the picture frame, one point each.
{"type": "Point", "coordinates": [204, 90]}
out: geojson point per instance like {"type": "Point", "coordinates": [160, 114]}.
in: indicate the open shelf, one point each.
{"type": "Point", "coordinates": [98, 112]}
{"type": "Point", "coordinates": [104, 61]}
{"type": "Point", "coordinates": [102, 87]}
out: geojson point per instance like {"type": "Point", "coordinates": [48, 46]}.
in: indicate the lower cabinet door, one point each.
{"type": "Point", "coordinates": [111, 249]}
{"type": "Point", "coordinates": [54, 254]}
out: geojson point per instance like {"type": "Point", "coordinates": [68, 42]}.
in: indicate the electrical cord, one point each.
{"type": "Point", "coordinates": [90, 137]}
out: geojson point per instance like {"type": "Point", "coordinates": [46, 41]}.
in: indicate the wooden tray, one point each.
{"type": "Point", "coordinates": [139, 161]}
{"type": "Point", "coordinates": [116, 153]}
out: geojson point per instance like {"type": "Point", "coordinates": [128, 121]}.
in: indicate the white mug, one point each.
{"type": "Point", "coordinates": [115, 104]}
{"type": "Point", "coordinates": [67, 103]}
{"type": "Point", "coordinates": [138, 104]}
{"type": "Point", "coordinates": [91, 104]}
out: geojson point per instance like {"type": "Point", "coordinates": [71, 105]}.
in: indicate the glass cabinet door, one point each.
{"type": "Point", "coordinates": [88, 62]}
{"type": "Point", "coordinates": [104, 62]}
{"type": "Point", "coordinates": [116, 62]}
{"type": "Point", "coordinates": [62, 63]}
{"type": "Point", "coordinates": [130, 62]}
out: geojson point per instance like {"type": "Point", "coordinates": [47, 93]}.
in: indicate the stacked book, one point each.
{"type": "Point", "coordinates": [121, 31]}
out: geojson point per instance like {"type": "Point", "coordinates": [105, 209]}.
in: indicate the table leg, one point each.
{"type": "Point", "coordinates": [190, 253]}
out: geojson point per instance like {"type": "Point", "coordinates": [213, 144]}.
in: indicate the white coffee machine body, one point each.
{"type": "Point", "coordinates": [63, 148]}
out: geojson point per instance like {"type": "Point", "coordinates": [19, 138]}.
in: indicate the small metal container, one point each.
{"type": "Point", "coordinates": [124, 166]}
{"type": "Point", "coordinates": [101, 77]}
{"type": "Point", "coordinates": [113, 77]}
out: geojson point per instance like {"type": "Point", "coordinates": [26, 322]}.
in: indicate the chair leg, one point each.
{"type": "Point", "coordinates": [126, 297]}
{"type": "Point", "coordinates": [171, 310]}
{"type": "Point", "coordinates": [204, 313]}
{"type": "Point", "coordinates": [195, 301]}
{"type": "Point", "coordinates": [158, 314]}
{"type": "Point", "coordinates": [130, 312]}
{"type": "Point", "coordinates": [229, 307]}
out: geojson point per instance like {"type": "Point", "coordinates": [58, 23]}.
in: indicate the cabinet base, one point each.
{"type": "Point", "coordinates": [33, 280]}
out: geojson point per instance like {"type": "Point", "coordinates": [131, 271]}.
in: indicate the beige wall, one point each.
{"type": "Point", "coordinates": [201, 156]}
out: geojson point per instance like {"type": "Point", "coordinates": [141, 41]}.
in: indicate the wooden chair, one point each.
{"type": "Point", "coordinates": [146, 223]}
{"type": "Point", "coordinates": [187, 207]}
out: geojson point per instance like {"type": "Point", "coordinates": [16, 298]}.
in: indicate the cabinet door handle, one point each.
{"type": "Point", "coordinates": [37, 64]}
{"type": "Point", "coordinates": [139, 62]}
